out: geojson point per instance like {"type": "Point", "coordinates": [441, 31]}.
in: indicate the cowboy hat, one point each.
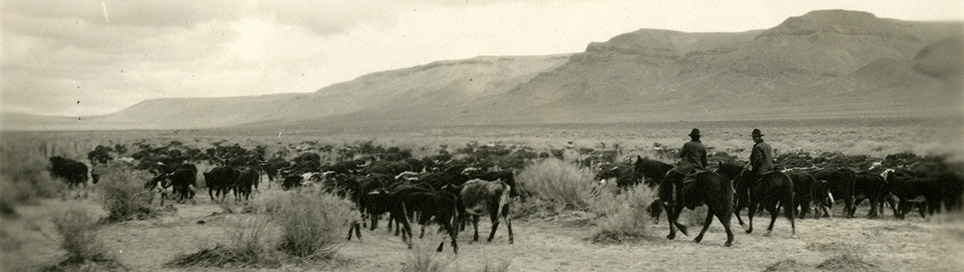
{"type": "Point", "coordinates": [756, 132]}
{"type": "Point", "coordinates": [695, 132]}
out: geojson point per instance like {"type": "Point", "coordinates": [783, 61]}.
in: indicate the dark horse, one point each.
{"type": "Point", "coordinates": [652, 172]}
{"type": "Point", "coordinates": [706, 188]}
{"type": "Point", "coordinates": [771, 190]}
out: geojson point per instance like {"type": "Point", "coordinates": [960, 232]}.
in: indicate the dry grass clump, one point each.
{"type": "Point", "coordinates": [558, 184]}
{"type": "Point", "coordinates": [312, 224]}
{"type": "Point", "coordinates": [78, 230]}
{"type": "Point", "coordinates": [425, 259]}
{"type": "Point", "coordinates": [24, 176]}
{"type": "Point", "coordinates": [847, 262]}
{"type": "Point", "coordinates": [624, 216]}
{"type": "Point", "coordinates": [249, 248]}
{"type": "Point", "coordinates": [788, 265]}
{"type": "Point", "coordinates": [124, 195]}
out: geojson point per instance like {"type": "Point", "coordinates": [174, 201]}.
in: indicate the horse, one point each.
{"type": "Point", "coordinates": [652, 171]}
{"type": "Point", "coordinates": [769, 191]}
{"type": "Point", "coordinates": [707, 188]}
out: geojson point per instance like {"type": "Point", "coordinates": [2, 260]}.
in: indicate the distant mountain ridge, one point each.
{"type": "Point", "coordinates": [830, 63]}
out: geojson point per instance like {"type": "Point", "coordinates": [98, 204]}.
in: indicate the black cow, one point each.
{"type": "Point", "coordinates": [481, 197]}
{"type": "Point", "coordinates": [71, 171]}
{"type": "Point", "coordinates": [841, 186]}
{"type": "Point", "coordinates": [909, 188]}
{"type": "Point", "coordinates": [220, 181]}
{"type": "Point", "coordinates": [803, 188]}
{"type": "Point", "coordinates": [272, 168]}
{"type": "Point", "coordinates": [184, 180]}
{"type": "Point", "coordinates": [872, 187]}
{"type": "Point", "coordinates": [439, 207]}
{"type": "Point", "coordinates": [247, 178]}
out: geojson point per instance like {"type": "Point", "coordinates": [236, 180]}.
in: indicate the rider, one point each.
{"type": "Point", "coordinates": [761, 158]}
{"type": "Point", "coordinates": [692, 155]}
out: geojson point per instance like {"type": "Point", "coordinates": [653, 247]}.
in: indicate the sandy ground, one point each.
{"type": "Point", "coordinates": [555, 244]}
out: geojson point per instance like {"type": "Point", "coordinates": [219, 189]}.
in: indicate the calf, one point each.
{"type": "Point", "coordinates": [481, 197]}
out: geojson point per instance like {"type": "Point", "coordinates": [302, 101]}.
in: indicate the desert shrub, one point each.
{"type": "Point", "coordinates": [124, 195]}
{"type": "Point", "coordinates": [496, 266]}
{"type": "Point", "coordinates": [624, 216]}
{"type": "Point", "coordinates": [312, 223]}
{"type": "Point", "coordinates": [248, 247]}
{"type": "Point", "coordinates": [423, 258]}
{"type": "Point", "coordinates": [79, 231]}
{"type": "Point", "coordinates": [694, 217]}
{"type": "Point", "coordinates": [562, 185]}
{"type": "Point", "coordinates": [24, 175]}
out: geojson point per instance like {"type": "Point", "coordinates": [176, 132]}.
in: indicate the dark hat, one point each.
{"type": "Point", "coordinates": [756, 132]}
{"type": "Point", "coordinates": [695, 132]}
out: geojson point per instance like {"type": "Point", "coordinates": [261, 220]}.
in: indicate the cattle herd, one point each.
{"type": "Point", "coordinates": [455, 188]}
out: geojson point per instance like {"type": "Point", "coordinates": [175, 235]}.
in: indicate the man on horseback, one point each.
{"type": "Point", "coordinates": [692, 155]}
{"type": "Point", "coordinates": [761, 158]}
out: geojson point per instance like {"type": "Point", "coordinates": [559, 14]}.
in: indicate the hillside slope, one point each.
{"type": "Point", "coordinates": [829, 63]}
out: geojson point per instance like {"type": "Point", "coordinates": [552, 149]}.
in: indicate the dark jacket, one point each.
{"type": "Point", "coordinates": [761, 158]}
{"type": "Point", "coordinates": [692, 157]}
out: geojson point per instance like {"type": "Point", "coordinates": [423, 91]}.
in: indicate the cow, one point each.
{"type": "Point", "coordinates": [439, 207]}
{"type": "Point", "coordinates": [803, 188]}
{"type": "Point", "coordinates": [184, 180]}
{"type": "Point", "coordinates": [840, 184]}
{"type": "Point", "coordinates": [480, 197]}
{"type": "Point", "coordinates": [220, 181]}
{"type": "Point", "coordinates": [247, 178]}
{"type": "Point", "coordinates": [908, 188]}
{"type": "Point", "coordinates": [74, 173]}
{"type": "Point", "coordinates": [872, 187]}
{"type": "Point", "coordinates": [273, 167]}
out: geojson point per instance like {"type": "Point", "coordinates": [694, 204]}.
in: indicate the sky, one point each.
{"type": "Point", "coordinates": [82, 58]}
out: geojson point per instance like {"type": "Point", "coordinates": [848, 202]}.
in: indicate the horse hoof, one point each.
{"type": "Point", "coordinates": [728, 244]}
{"type": "Point", "coordinates": [766, 234]}
{"type": "Point", "coordinates": [749, 231]}
{"type": "Point", "coordinates": [671, 236]}
{"type": "Point", "coordinates": [698, 240]}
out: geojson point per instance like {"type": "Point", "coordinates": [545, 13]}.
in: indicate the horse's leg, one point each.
{"type": "Point", "coordinates": [724, 218]}
{"type": "Point", "coordinates": [749, 215]}
{"type": "Point", "coordinates": [681, 227]}
{"type": "Point", "coordinates": [774, 210]}
{"type": "Point", "coordinates": [706, 224]}
{"type": "Point", "coordinates": [789, 213]}
{"type": "Point", "coordinates": [669, 218]}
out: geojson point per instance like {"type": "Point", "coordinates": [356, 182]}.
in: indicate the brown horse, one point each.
{"type": "Point", "coordinates": [706, 188]}
{"type": "Point", "coordinates": [771, 190]}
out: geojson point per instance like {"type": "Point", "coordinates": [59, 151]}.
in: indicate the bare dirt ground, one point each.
{"type": "Point", "coordinates": [545, 244]}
